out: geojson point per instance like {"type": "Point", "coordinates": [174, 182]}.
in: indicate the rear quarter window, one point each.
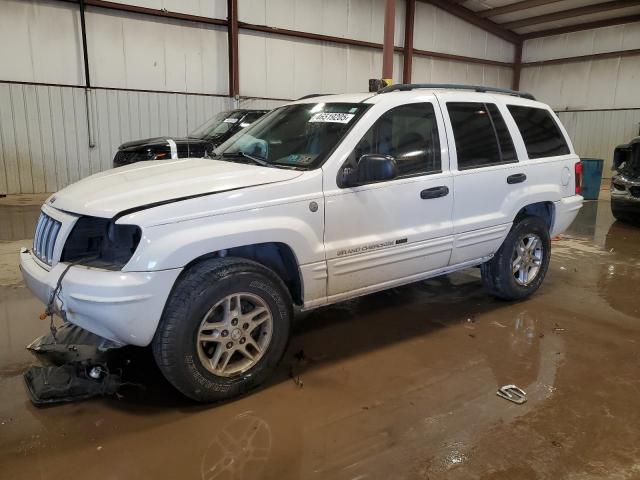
{"type": "Point", "coordinates": [540, 132]}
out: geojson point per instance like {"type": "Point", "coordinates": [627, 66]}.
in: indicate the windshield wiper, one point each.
{"type": "Point", "coordinates": [254, 159]}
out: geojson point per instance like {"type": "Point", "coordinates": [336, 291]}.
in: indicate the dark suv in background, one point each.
{"type": "Point", "coordinates": [199, 143]}
{"type": "Point", "coordinates": [625, 185]}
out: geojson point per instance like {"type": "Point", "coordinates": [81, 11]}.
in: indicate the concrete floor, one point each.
{"type": "Point", "coordinates": [399, 384]}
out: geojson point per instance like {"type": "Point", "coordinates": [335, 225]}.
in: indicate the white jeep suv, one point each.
{"type": "Point", "coordinates": [322, 200]}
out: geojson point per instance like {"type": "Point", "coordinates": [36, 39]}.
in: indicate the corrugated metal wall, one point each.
{"type": "Point", "coordinates": [609, 85]}
{"type": "Point", "coordinates": [595, 134]}
{"type": "Point", "coordinates": [438, 31]}
{"type": "Point", "coordinates": [288, 68]}
{"type": "Point", "coordinates": [44, 136]}
{"type": "Point", "coordinates": [43, 129]}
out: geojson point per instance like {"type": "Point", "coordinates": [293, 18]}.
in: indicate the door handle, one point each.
{"type": "Point", "coordinates": [434, 192]}
{"type": "Point", "coordinates": [516, 178]}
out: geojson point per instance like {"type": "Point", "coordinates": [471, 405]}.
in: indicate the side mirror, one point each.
{"type": "Point", "coordinates": [372, 167]}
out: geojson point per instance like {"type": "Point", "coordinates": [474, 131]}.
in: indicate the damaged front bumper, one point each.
{"type": "Point", "coordinates": [124, 307]}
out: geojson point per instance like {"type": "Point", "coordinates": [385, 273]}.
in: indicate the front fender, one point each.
{"type": "Point", "coordinates": [176, 244]}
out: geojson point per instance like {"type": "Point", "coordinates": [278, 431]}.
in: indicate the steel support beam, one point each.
{"type": "Point", "coordinates": [572, 13]}
{"type": "Point", "coordinates": [85, 54]}
{"type": "Point", "coordinates": [153, 12]}
{"type": "Point", "coordinates": [232, 29]}
{"type": "Point", "coordinates": [387, 46]}
{"type": "Point", "coordinates": [409, 21]}
{"type": "Point", "coordinates": [517, 67]}
{"type": "Point", "coordinates": [582, 26]}
{"type": "Point", "coordinates": [584, 58]}
{"type": "Point", "coordinates": [459, 58]}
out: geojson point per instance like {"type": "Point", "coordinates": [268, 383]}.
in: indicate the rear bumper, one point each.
{"type": "Point", "coordinates": [121, 306]}
{"type": "Point", "coordinates": [566, 210]}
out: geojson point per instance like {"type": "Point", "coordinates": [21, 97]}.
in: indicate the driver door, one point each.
{"type": "Point", "coordinates": [392, 232]}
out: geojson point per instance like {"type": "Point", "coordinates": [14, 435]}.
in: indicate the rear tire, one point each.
{"type": "Point", "coordinates": [225, 328]}
{"type": "Point", "coordinates": [520, 264]}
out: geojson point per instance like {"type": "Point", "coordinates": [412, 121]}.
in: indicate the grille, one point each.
{"type": "Point", "coordinates": [45, 237]}
{"type": "Point", "coordinates": [635, 191]}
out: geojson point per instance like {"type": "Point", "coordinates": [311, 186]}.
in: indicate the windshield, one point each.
{"type": "Point", "coordinates": [218, 125]}
{"type": "Point", "coordinates": [298, 136]}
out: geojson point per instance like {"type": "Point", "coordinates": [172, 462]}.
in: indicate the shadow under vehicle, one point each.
{"type": "Point", "coordinates": [625, 185]}
{"type": "Point", "coordinates": [200, 143]}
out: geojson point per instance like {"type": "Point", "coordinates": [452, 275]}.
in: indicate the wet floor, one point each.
{"type": "Point", "coordinates": [399, 384]}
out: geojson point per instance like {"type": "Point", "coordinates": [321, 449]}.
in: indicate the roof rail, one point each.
{"type": "Point", "coordinates": [403, 87]}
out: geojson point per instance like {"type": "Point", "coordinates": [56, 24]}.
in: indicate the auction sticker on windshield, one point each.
{"type": "Point", "coordinates": [332, 117]}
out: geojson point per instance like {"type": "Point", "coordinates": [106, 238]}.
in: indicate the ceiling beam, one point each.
{"type": "Point", "coordinates": [582, 26]}
{"type": "Point", "coordinates": [471, 17]}
{"type": "Point", "coordinates": [571, 13]}
{"type": "Point", "coordinates": [514, 7]}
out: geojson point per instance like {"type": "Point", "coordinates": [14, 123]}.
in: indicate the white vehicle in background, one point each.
{"type": "Point", "coordinates": [321, 200]}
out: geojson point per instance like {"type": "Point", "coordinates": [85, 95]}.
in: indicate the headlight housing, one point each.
{"type": "Point", "coordinates": [100, 242]}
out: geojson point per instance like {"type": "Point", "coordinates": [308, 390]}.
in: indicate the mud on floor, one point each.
{"type": "Point", "coordinates": [399, 384]}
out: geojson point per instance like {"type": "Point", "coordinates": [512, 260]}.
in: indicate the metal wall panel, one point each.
{"type": "Point", "coordinates": [355, 19]}
{"type": "Point", "coordinates": [607, 83]}
{"type": "Point", "coordinates": [284, 68]}
{"type": "Point", "coordinates": [599, 40]}
{"type": "Point", "coordinates": [44, 136]}
{"type": "Point", "coordinates": [439, 31]}
{"type": "Point", "coordinates": [595, 134]}
{"type": "Point", "coordinates": [139, 52]}
{"type": "Point", "coordinates": [435, 70]}
{"type": "Point", "coordinates": [40, 42]}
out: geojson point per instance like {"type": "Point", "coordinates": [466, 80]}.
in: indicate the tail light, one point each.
{"type": "Point", "coordinates": [578, 178]}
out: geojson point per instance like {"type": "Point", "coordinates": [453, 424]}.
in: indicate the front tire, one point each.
{"type": "Point", "coordinates": [520, 265]}
{"type": "Point", "coordinates": [224, 329]}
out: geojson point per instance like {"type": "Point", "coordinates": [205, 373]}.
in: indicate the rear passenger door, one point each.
{"type": "Point", "coordinates": [487, 176]}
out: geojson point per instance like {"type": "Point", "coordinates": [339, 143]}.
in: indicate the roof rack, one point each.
{"type": "Point", "coordinates": [404, 87]}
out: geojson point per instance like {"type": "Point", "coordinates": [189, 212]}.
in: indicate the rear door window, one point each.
{"type": "Point", "coordinates": [540, 132]}
{"type": "Point", "coordinates": [482, 138]}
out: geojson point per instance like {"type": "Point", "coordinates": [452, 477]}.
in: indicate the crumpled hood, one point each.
{"type": "Point", "coordinates": [108, 193]}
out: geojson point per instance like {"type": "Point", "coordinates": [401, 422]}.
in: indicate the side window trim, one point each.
{"type": "Point", "coordinates": [495, 135]}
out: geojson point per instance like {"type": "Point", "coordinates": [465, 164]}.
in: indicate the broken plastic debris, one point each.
{"type": "Point", "coordinates": [512, 393]}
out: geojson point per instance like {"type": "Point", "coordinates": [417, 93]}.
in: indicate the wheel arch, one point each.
{"type": "Point", "coordinates": [276, 256]}
{"type": "Point", "coordinates": [545, 210]}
